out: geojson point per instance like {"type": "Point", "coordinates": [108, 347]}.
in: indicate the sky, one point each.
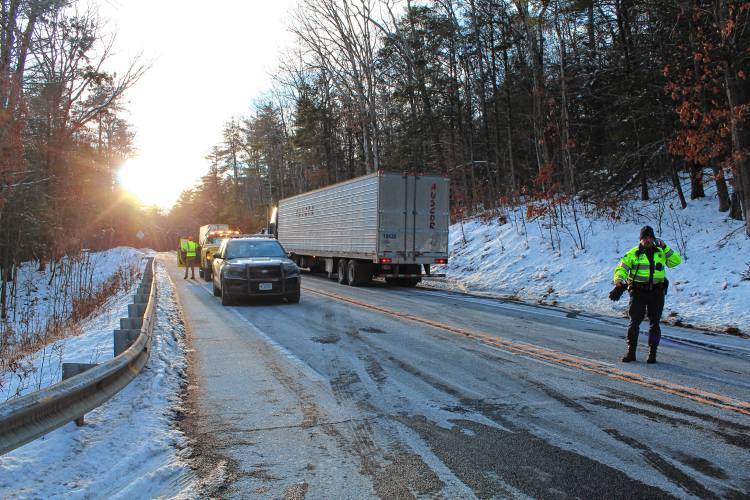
{"type": "Point", "coordinates": [209, 62]}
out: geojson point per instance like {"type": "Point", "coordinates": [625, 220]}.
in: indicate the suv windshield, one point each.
{"type": "Point", "coordinates": [254, 248]}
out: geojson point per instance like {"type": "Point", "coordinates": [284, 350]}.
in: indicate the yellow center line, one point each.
{"type": "Point", "coordinates": [552, 356]}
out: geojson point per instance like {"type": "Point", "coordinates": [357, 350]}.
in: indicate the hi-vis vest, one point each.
{"type": "Point", "coordinates": [189, 247]}
{"type": "Point", "coordinates": [635, 267]}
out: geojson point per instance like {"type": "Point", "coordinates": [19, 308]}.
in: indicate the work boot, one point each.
{"type": "Point", "coordinates": [651, 354]}
{"type": "Point", "coordinates": [632, 345]}
{"type": "Point", "coordinates": [630, 356]}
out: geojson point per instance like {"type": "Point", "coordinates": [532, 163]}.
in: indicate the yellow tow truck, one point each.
{"type": "Point", "coordinates": [210, 237]}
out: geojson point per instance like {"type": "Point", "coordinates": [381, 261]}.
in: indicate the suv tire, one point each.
{"type": "Point", "coordinates": [226, 300]}
{"type": "Point", "coordinates": [293, 298]}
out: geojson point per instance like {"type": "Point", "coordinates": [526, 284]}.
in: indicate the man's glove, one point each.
{"type": "Point", "coordinates": [661, 244]}
{"type": "Point", "coordinates": [617, 292]}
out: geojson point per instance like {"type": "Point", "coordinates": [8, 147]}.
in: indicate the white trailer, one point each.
{"type": "Point", "coordinates": [382, 224]}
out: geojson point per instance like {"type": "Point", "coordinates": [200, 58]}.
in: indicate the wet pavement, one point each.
{"type": "Point", "coordinates": [380, 392]}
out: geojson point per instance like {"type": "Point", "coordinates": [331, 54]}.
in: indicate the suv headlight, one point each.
{"type": "Point", "coordinates": [234, 272]}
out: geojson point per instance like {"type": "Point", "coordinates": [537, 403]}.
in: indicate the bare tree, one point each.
{"type": "Point", "coordinates": [341, 33]}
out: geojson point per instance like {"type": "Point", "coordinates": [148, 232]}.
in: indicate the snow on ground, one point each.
{"type": "Point", "coordinates": [710, 289]}
{"type": "Point", "coordinates": [40, 295]}
{"type": "Point", "coordinates": [44, 367]}
{"type": "Point", "coordinates": [129, 446]}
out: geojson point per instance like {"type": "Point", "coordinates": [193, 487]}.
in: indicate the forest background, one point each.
{"type": "Point", "coordinates": [572, 106]}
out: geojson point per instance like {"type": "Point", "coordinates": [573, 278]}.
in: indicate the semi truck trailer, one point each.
{"type": "Point", "coordinates": [384, 224]}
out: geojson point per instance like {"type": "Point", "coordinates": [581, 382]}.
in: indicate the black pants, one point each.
{"type": "Point", "coordinates": [641, 302]}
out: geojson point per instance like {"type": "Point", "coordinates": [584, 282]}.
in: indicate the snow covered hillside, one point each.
{"type": "Point", "coordinates": [39, 295]}
{"type": "Point", "coordinates": [531, 261]}
{"type": "Point", "coordinates": [43, 297]}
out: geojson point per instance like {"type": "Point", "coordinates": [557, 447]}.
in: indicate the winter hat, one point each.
{"type": "Point", "coordinates": [647, 231]}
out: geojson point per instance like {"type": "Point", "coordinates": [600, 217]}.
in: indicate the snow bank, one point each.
{"type": "Point", "coordinates": [129, 447]}
{"type": "Point", "coordinates": [710, 289]}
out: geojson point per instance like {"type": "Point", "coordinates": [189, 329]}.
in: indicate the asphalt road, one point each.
{"type": "Point", "coordinates": [380, 392]}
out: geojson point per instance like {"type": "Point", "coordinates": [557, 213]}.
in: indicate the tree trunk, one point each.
{"type": "Point", "coordinates": [735, 207]}
{"type": "Point", "coordinates": [677, 185]}
{"type": "Point", "coordinates": [696, 182]}
{"type": "Point", "coordinates": [488, 151]}
{"type": "Point", "coordinates": [738, 92]}
{"type": "Point", "coordinates": [509, 123]}
{"type": "Point", "coordinates": [565, 136]}
{"type": "Point", "coordinates": [721, 188]}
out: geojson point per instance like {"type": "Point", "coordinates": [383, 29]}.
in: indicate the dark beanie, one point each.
{"type": "Point", "coordinates": [647, 231]}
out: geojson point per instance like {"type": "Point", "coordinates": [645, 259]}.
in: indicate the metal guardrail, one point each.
{"type": "Point", "coordinates": [24, 419]}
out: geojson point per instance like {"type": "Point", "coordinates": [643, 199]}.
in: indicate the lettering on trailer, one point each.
{"type": "Point", "coordinates": [433, 204]}
{"type": "Point", "coordinates": [305, 211]}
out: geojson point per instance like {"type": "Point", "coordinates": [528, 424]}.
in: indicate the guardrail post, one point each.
{"type": "Point", "coordinates": [124, 339]}
{"type": "Point", "coordinates": [131, 323]}
{"type": "Point", "coordinates": [71, 370]}
{"type": "Point", "coordinates": [136, 310]}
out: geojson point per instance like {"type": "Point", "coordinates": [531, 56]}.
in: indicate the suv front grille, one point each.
{"type": "Point", "coordinates": [264, 273]}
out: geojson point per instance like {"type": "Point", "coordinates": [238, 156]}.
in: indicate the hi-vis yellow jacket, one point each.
{"type": "Point", "coordinates": [189, 247]}
{"type": "Point", "coordinates": [634, 267]}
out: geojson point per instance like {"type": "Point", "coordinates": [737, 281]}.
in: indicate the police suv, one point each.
{"type": "Point", "coordinates": [254, 266]}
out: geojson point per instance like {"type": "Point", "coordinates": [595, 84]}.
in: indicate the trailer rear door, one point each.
{"type": "Point", "coordinates": [429, 220]}
{"type": "Point", "coordinates": [413, 214]}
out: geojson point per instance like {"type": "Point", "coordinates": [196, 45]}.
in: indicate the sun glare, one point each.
{"type": "Point", "coordinates": [150, 182]}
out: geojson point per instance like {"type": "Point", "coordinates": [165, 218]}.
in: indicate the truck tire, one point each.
{"type": "Point", "coordinates": [207, 273]}
{"type": "Point", "coordinates": [391, 281]}
{"type": "Point", "coordinates": [200, 272]}
{"type": "Point", "coordinates": [217, 291]}
{"type": "Point", "coordinates": [342, 268]}
{"type": "Point", "coordinates": [353, 273]}
{"type": "Point", "coordinates": [226, 300]}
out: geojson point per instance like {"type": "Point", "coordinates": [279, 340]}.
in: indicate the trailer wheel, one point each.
{"type": "Point", "coordinates": [353, 273]}
{"type": "Point", "coordinates": [342, 278]}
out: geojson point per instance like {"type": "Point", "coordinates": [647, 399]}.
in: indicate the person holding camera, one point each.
{"type": "Point", "coordinates": [642, 271]}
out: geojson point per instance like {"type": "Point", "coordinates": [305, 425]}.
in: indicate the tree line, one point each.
{"type": "Point", "coordinates": [61, 136]}
{"type": "Point", "coordinates": [541, 102]}
{"type": "Point", "coordinates": [547, 103]}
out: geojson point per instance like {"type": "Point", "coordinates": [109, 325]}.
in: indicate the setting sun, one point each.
{"type": "Point", "coordinates": [151, 182]}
